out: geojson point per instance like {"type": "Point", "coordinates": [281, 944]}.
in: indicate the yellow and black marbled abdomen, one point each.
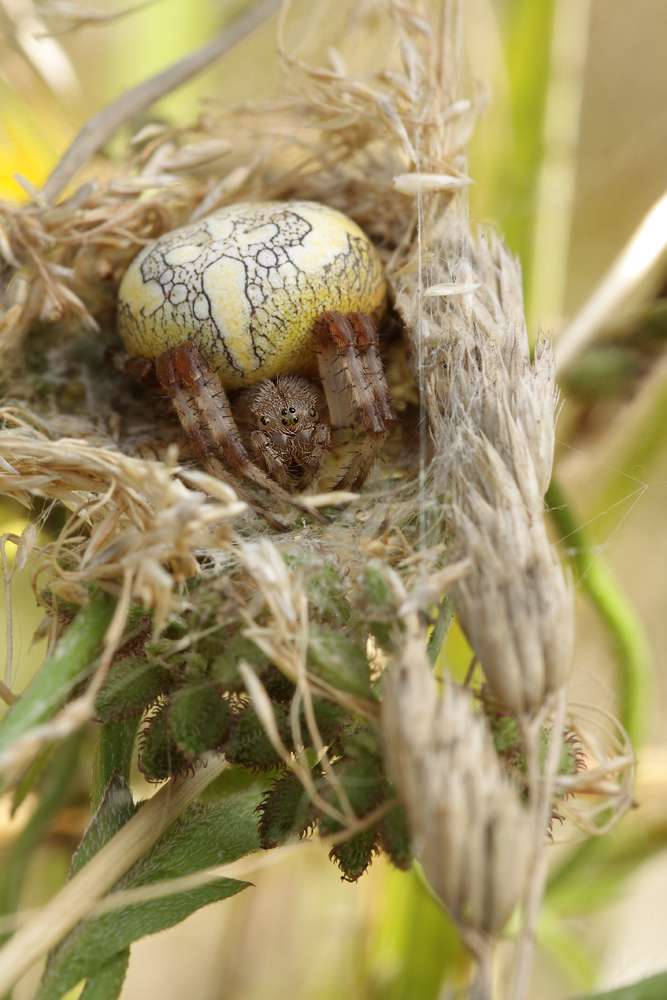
{"type": "Point", "coordinates": [247, 284]}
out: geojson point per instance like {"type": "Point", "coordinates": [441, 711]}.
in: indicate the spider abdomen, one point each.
{"type": "Point", "coordinates": [247, 284]}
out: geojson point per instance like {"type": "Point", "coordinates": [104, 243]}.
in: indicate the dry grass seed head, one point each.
{"type": "Point", "coordinates": [492, 412]}
{"type": "Point", "coordinates": [470, 830]}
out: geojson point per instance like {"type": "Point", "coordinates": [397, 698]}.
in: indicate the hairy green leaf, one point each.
{"type": "Point", "coordinates": [365, 784]}
{"type": "Point", "coordinates": [115, 809]}
{"type": "Point", "coordinates": [248, 743]}
{"type": "Point", "coordinates": [132, 685]}
{"type": "Point", "coordinates": [159, 757]}
{"type": "Point", "coordinates": [395, 838]}
{"type": "Point", "coordinates": [204, 836]}
{"type": "Point", "coordinates": [107, 982]}
{"type": "Point", "coordinates": [225, 665]}
{"type": "Point", "coordinates": [286, 811]}
{"type": "Point", "coordinates": [198, 719]}
{"type": "Point", "coordinates": [340, 661]}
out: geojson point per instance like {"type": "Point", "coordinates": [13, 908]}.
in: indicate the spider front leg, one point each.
{"type": "Point", "coordinates": [273, 454]}
{"type": "Point", "coordinates": [168, 376]}
{"type": "Point", "coordinates": [185, 367]}
{"type": "Point", "coordinates": [354, 384]}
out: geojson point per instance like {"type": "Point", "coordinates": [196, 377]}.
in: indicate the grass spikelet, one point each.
{"type": "Point", "coordinates": [492, 414]}
{"type": "Point", "coordinates": [469, 827]}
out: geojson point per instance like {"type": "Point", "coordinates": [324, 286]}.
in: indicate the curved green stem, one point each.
{"type": "Point", "coordinates": [67, 664]}
{"type": "Point", "coordinates": [633, 651]}
{"type": "Point", "coordinates": [440, 629]}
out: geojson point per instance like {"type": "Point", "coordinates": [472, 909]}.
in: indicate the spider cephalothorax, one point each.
{"type": "Point", "coordinates": [257, 292]}
{"type": "Point", "coordinates": [288, 435]}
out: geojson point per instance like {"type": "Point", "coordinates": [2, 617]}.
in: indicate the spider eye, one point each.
{"type": "Point", "coordinates": [285, 421]}
{"type": "Point", "coordinates": [312, 411]}
{"type": "Point", "coordinates": [284, 413]}
{"type": "Point", "coordinates": [264, 420]}
{"type": "Point", "coordinates": [292, 410]}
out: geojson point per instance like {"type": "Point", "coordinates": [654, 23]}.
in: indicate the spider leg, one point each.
{"type": "Point", "coordinates": [354, 382]}
{"type": "Point", "coordinates": [167, 372]}
{"type": "Point", "coordinates": [343, 374]}
{"type": "Point", "coordinates": [367, 343]}
{"type": "Point", "coordinates": [262, 445]}
{"type": "Point", "coordinates": [200, 378]}
{"type": "Point", "coordinates": [312, 463]}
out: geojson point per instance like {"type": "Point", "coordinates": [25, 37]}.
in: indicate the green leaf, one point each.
{"type": "Point", "coordinates": [653, 988]}
{"type": "Point", "coordinates": [66, 665]}
{"type": "Point", "coordinates": [365, 785]}
{"type": "Point", "coordinates": [354, 856]}
{"type": "Point", "coordinates": [132, 685]}
{"type": "Point", "coordinates": [248, 744]}
{"type": "Point", "coordinates": [340, 661]}
{"type": "Point", "coordinates": [395, 838]}
{"type": "Point", "coordinates": [204, 836]}
{"type": "Point", "coordinates": [198, 719]}
{"type": "Point", "coordinates": [115, 809]}
{"type": "Point", "coordinates": [286, 811]}
{"type": "Point", "coordinates": [107, 982]}
{"type": "Point", "coordinates": [159, 757]}
{"type": "Point", "coordinates": [225, 665]}
{"type": "Point", "coordinates": [236, 781]}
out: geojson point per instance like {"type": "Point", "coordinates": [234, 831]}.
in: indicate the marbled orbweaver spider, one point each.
{"type": "Point", "coordinates": [267, 295]}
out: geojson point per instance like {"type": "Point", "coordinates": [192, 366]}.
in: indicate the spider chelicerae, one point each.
{"type": "Point", "coordinates": [267, 296]}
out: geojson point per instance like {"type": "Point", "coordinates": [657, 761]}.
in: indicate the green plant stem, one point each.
{"type": "Point", "coordinates": [66, 665]}
{"type": "Point", "coordinates": [56, 781]}
{"type": "Point", "coordinates": [113, 752]}
{"type": "Point", "coordinates": [440, 629]}
{"type": "Point", "coordinates": [633, 652]}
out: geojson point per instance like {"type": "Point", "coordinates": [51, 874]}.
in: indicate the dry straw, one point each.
{"type": "Point", "coordinates": [388, 149]}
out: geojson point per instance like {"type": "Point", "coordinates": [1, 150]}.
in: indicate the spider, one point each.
{"type": "Point", "coordinates": [267, 295]}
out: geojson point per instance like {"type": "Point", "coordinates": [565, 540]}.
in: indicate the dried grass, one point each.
{"type": "Point", "coordinates": [345, 140]}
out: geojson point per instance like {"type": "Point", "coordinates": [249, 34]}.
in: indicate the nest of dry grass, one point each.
{"type": "Point", "coordinates": [347, 141]}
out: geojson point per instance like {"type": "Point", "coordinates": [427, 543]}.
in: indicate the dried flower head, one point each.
{"type": "Point", "coordinates": [469, 827]}
{"type": "Point", "coordinates": [492, 412]}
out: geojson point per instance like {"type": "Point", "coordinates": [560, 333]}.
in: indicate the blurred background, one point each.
{"type": "Point", "coordinates": [568, 157]}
